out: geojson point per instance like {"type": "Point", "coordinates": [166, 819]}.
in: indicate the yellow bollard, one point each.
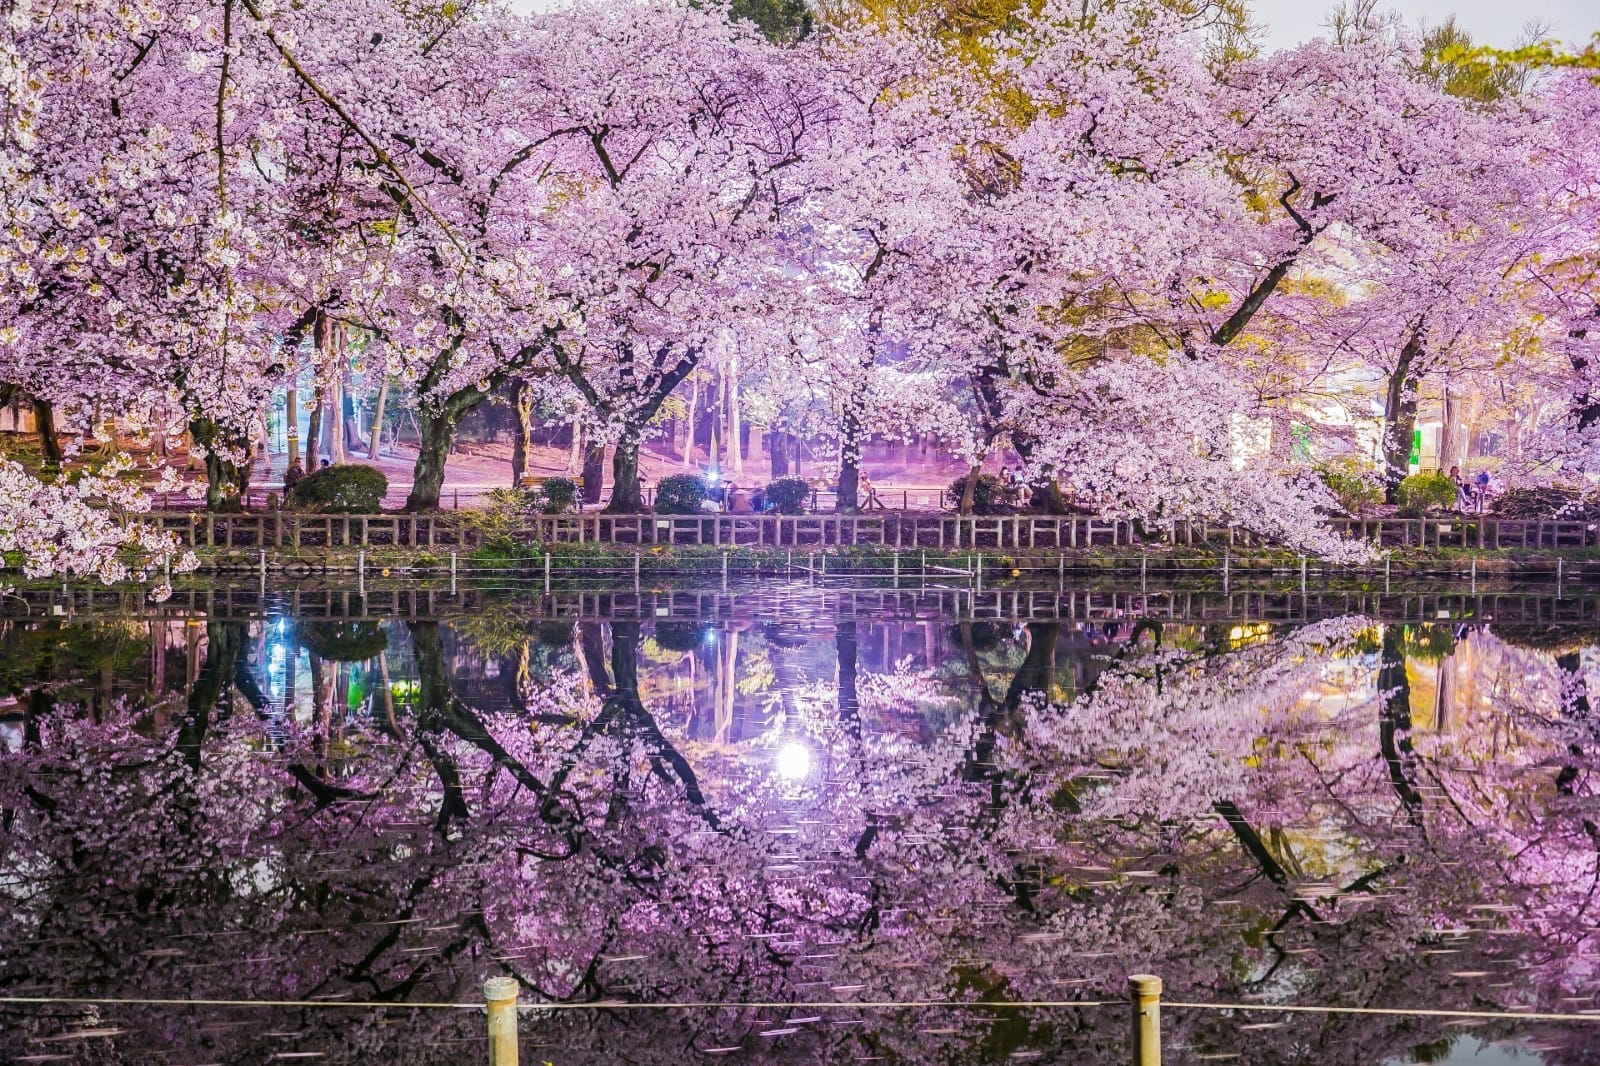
{"type": "Point", "coordinates": [1144, 990]}
{"type": "Point", "coordinates": [501, 994]}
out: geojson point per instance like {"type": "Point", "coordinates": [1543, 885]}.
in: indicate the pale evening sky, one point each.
{"type": "Point", "coordinates": [1494, 22]}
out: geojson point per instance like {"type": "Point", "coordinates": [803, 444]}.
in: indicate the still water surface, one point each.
{"type": "Point", "coordinates": [814, 803]}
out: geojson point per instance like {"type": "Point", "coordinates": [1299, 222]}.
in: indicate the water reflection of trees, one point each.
{"type": "Point", "coordinates": [1000, 812]}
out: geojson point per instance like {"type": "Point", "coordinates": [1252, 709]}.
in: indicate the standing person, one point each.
{"type": "Point", "coordinates": [1463, 495]}
{"type": "Point", "coordinates": [291, 477]}
{"type": "Point", "coordinates": [1481, 488]}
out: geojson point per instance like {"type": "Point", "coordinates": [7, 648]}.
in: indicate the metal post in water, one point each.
{"type": "Point", "coordinates": [500, 993]}
{"type": "Point", "coordinates": [1561, 565]}
{"type": "Point", "coordinates": [724, 571]}
{"type": "Point", "coordinates": [896, 569]}
{"type": "Point", "coordinates": [361, 572]}
{"type": "Point", "coordinates": [636, 557]}
{"type": "Point", "coordinates": [1302, 575]}
{"type": "Point", "coordinates": [1061, 572]}
{"type": "Point", "coordinates": [1144, 992]}
{"type": "Point", "coordinates": [1386, 561]}
{"type": "Point", "coordinates": [452, 573]}
{"type": "Point", "coordinates": [977, 570]}
{"type": "Point", "coordinates": [1227, 559]}
{"type": "Point", "coordinates": [263, 572]}
{"type": "Point", "coordinates": [1144, 560]}
{"type": "Point", "coordinates": [1474, 575]}
{"type": "Point", "coordinates": [547, 572]}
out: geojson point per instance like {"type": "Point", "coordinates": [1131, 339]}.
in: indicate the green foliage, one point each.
{"type": "Point", "coordinates": [788, 495]}
{"type": "Point", "coordinates": [989, 496]}
{"type": "Point", "coordinates": [780, 21]}
{"type": "Point", "coordinates": [343, 642]}
{"type": "Point", "coordinates": [1423, 492]}
{"type": "Point", "coordinates": [557, 495]}
{"type": "Point", "coordinates": [1356, 489]}
{"type": "Point", "coordinates": [680, 494]}
{"type": "Point", "coordinates": [348, 488]}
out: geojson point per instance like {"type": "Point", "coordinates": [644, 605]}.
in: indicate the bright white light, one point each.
{"type": "Point", "coordinates": [794, 761]}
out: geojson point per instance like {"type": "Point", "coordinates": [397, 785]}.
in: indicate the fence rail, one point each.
{"type": "Point", "coordinates": [296, 531]}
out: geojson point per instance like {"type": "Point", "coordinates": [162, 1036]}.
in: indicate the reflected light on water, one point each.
{"type": "Point", "coordinates": [794, 761]}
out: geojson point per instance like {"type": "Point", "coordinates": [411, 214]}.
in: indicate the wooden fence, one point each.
{"type": "Point", "coordinates": [295, 531]}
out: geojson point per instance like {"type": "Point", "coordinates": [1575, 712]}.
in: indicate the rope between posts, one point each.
{"type": "Point", "coordinates": [1420, 1012]}
{"type": "Point", "coordinates": [926, 1004]}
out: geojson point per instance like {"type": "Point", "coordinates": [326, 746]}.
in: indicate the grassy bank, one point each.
{"type": "Point", "coordinates": [591, 560]}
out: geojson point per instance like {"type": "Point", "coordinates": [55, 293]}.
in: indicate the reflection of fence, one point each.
{"type": "Point", "coordinates": [293, 531]}
{"type": "Point", "coordinates": [798, 602]}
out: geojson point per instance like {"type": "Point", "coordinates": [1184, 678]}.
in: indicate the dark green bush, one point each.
{"type": "Point", "coordinates": [680, 494]}
{"type": "Point", "coordinates": [1356, 490]}
{"type": "Point", "coordinates": [788, 495]}
{"type": "Point", "coordinates": [680, 636]}
{"type": "Point", "coordinates": [557, 495]}
{"type": "Point", "coordinates": [1544, 501]}
{"type": "Point", "coordinates": [1428, 491]}
{"type": "Point", "coordinates": [343, 642]}
{"type": "Point", "coordinates": [348, 488]}
{"type": "Point", "coordinates": [989, 496]}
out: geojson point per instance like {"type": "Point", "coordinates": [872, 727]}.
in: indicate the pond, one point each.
{"type": "Point", "coordinates": [798, 823]}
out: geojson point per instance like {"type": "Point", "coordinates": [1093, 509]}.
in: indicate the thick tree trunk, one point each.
{"type": "Point", "coordinates": [848, 501]}
{"type": "Point", "coordinates": [625, 496]}
{"type": "Point", "coordinates": [575, 454]}
{"type": "Point", "coordinates": [1045, 490]}
{"type": "Point", "coordinates": [594, 471]}
{"type": "Point", "coordinates": [735, 436]}
{"type": "Point", "coordinates": [689, 423]}
{"type": "Point", "coordinates": [1453, 431]}
{"type": "Point", "coordinates": [375, 445]}
{"type": "Point", "coordinates": [845, 644]}
{"type": "Point", "coordinates": [969, 490]}
{"type": "Point", "coordinates": [336, 425]}
{"type": "Point", "coordinates": [44, 420]}
{"type": "Point", "coordinates": [227, 483]}
{"type": "Point", "coordinates": [314, 431]}
{"type": "Point", "coordinates": [1400, 418]}
{"type": "Point", "coordinates": [778, 454]}
{"type": "Point", "coordinates": [522, 443]}
{"type": "Point", "coordinates": [427, 482]}
{"type": "Point", "coordinates": [1394, 722]}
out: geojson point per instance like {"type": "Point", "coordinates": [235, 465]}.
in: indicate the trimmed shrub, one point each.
{"type": "Point", "coordinates": [1428, 491]}
{"type": "Point", "coordinates": [349, 488]}
{"type": "Point", "coordinates": [1543, 501]}
{"type": "Point", "coordinates": [1356, 490]}
{"type": "Point", "coordinates": [788, 495]}
{"type": "Point", "coordinates": [989, 496]}
{"type": "Point", "coordinates": [680, 494]}
{"type": "Point", "coordinates": [557, 495]}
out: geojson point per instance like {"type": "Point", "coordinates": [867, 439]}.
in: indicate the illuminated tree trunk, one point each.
{"type": "Point", "coordinates": [522, 444]}
{"type": "Point", "coordinates": [375, 444]}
